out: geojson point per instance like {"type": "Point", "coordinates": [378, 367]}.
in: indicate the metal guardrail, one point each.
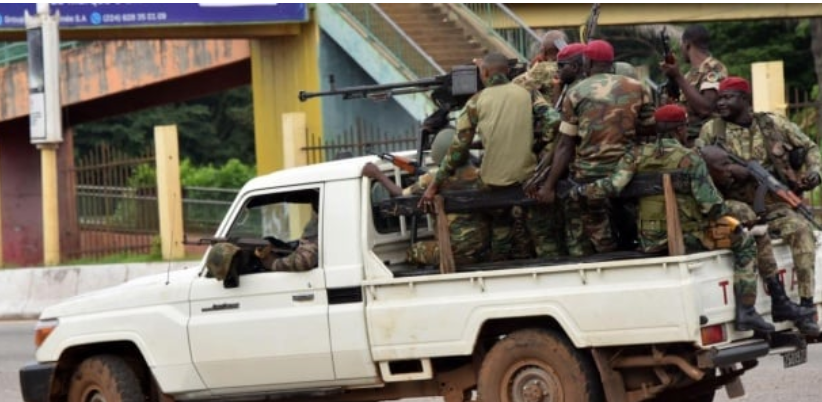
{"type": "Point", "coordinates": [12, 52]}
{"type": "Point", "coordinates": [503, 23]}
{"type": "Point", "coordinates": [380, 29]}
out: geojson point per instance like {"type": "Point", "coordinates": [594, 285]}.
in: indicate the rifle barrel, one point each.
{"type": "Point", "coordinates": [362, 91]}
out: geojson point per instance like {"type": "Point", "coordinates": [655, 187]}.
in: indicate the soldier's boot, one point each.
{"type": "Point", "coordinates": [782, 308]}
{"type": "Point", "coordinates": [746, 317]}
{"type": "Point", "coordinates": [807, 325]}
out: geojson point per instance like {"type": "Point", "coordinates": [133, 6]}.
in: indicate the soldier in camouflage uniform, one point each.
{"type": "Point", "coordinates": [470, 233]}
{"type": "Point", "coordinates": [305, 257]}
{"type": "Point", "coordinates": [600, 116]}
{"type": "Point", "coordinates": [503, 114]}
{"type": "Point", "coordinates": [698, 88]}
{"type": "Point", "coordinates": [696, 209]}
{"type": "Point", "coordinates": [542, 71]}
{"type": "Point", "coordinates": [770, 140]}
{"type": "Point", "coordinates": [782, 308]}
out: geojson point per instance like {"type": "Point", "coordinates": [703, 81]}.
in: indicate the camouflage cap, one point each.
{"type": "Point", "coordinates": [219, 259]}
{"type": "Point", "coordinates": [441, 144]}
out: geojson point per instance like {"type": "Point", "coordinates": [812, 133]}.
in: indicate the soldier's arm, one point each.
{"type": "Point", "coordinates": [703, 190]}
{"type": "Point", "coordinates": [304, 258]}
{"type": "Point", "coordinates": [458, 152]}
{"type": "Point", "coordinates": [797, 138]}
{"type": "Point", "coordinates": [613, 184]}
{"type": "Point", "coordinates": [702, 100]}
{"type": "Point", "coordinates": [706, 135]}
{"type": "Point", "coordinates": [565, 149]}
{"type": "Point", "coordinates": [545, 116]}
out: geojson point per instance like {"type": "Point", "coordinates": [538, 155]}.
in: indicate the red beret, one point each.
{"type": "Point", "coordinates": [735, 84]}
{"type": "Point", "coordinates": [670, 114]}
{"type": "Point", "coordinates": [570, 50]}
{"type": "Point", "coordinates": [599, 50]}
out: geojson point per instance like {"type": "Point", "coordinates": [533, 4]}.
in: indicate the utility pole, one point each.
{"type": "Point", "coordinates": [46, 131]}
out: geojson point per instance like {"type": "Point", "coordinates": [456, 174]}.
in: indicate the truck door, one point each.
{"type": "Point", "coordinates": [272, 329]}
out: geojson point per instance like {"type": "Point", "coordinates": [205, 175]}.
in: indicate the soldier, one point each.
{"type": "Point", "coordinates": [778, 145]}
{"type": "Point", "coordinates": [696, 209]}
{"type": "Point", "coordinates": [698, 88]}
{"type": "Point", "coordinates": [503, 113]}
{"type": "Point", "coordinates": [305, 257]}
{"type": "Point", "coordinates": [782, 308]}
{"type": "Point", "coordinates": [470, 236]}
{"type": "Point", "coordinates": [542, 71]}
{"type": "Point", "coordinates": [600, 116]}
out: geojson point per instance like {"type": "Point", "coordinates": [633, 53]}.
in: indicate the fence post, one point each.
{"type": "Point", "coordinates": [295, 154]}
{"type": "Point", "coordinates": [769, 87]}
{"type": "Point", "coordinates": [169, 191]}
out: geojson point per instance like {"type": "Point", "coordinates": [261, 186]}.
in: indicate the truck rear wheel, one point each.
{"type": "Point", "coordinates": [537, 366]}
{"type": "Point", "coordinates": [104, 378]}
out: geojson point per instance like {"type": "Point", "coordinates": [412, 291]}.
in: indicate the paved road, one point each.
{"type": "Point", "coordinates": [767, 383]}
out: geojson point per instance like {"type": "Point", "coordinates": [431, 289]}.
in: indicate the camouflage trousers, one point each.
{"type": "Point", "coordinates": [743, 247]}
{"type": "Point", "coordinates": [765, 260]}
{"type": "Point", "coordinates": [469, 242]}
{"type": "Point", "coordinates": [588, 227]}
{"type": "Point", "coordinates": [784, 222]}
{"type": "Point", "coordinates": [525, 232]}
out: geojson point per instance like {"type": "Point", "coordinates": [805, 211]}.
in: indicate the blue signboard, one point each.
{"type": "Point", "coordinates": [107, 15]}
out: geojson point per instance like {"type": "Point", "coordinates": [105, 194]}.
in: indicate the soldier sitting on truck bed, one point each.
{"type": "Point", "coordinates": [470, 236]}
{"type": "Point", "coordinates": [703, 213]}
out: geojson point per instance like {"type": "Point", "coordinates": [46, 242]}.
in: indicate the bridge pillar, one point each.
{"type": "Point", "coordinates": [280, 68]}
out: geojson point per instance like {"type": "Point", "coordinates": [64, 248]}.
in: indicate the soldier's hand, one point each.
{"type": "Point", "coordinates": [262, 252]}
{"type": "Point", "coordinates": [809, 181]}
{"type": "Point", "coordinates": [427, 200]}
{"type": "Point", "coordinates": [739, 173]}
{"type": "Point", "coordinates": [546, 195]}
{"type": "Point", "coordinates": [670, 70]}
{"type": "Point", "coordinates": [371, 170]}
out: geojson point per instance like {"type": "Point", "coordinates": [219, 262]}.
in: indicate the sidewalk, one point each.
{"type": "Point", "coordinates": [25, 292]}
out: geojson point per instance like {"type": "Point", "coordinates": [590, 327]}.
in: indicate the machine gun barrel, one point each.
{"type": "Point", "coordinates": [364, 91]}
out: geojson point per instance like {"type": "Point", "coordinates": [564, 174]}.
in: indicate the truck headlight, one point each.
{"type": "Point", "coordinates": [43, 329]}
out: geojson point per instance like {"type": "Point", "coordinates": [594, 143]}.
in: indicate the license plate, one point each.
{"type": "Point", "coordinates": [795, 358]}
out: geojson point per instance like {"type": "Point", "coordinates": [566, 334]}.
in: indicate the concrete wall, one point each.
{"type": "Point", "coordinates": [339, 114]}
{"type": "Point", "coordinates": [24, 293]}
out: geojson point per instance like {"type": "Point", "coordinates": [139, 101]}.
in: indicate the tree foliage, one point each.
{"type": "Point", "coordinates": [212, 129]}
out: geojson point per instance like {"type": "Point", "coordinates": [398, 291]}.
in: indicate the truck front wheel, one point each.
{"type": "Point", "coordinates": [104, 378]}
{"type": "Point", "coordinates": [537, 366]}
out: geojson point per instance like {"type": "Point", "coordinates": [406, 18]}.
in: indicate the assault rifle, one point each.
{"type": "Point", "coordinates": [670, 86]}
{"type": "Point", "coordinates": [403, 163]}
{"type": "Point", "coordinates": [277, 246]}
{"type": "Point", "coordinates": [768, 183]}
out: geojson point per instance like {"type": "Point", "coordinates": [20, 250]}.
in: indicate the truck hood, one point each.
{"type": "Point", "coordinates": [145, 291]}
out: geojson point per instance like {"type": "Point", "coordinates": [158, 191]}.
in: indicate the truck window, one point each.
{"type": "Point", "coordinates": [387, 224]}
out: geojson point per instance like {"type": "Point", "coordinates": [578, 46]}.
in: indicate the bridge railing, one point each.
{"type": "Point", "coordinates": [503, 23]}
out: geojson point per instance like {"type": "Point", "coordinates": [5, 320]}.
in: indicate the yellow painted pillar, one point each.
{"type": "Point", "coordinates": [280, 68]}
{"type": "Point", "coordinates": [169, 191]}
{"type": "Point", "coordinates": [294, 140]}
{"type": "Point", "coordinates": [51, 211]}
{"type": "Point", "coordinates": [768, 82]}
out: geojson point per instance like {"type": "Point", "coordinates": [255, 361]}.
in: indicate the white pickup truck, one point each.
{"type": "Point", "coordinates": [365, 326]}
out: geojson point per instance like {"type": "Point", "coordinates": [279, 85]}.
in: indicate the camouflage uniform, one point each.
{"type": "Point", "coordinates": [695, 210]}
{"type": "Point", "coordinates": [304, 258]}
{"type": "Point", "coordinates": [768, 141]}
{"type": "Point", "coordinates": [540, 77]}
{"type": "Point", "coordinates": [469, 232]}
{"type": "Point", "coordinates": [503, 114]}
{"type": "Point", "coordinates": [703, 78]}
{"type": "Point", "coordinates": [602, 113]}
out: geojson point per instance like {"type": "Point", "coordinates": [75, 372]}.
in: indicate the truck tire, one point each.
{"type": "Point", "coordinates": [104, 378]}
{"type": "Point", "coordinates": [537, 366]}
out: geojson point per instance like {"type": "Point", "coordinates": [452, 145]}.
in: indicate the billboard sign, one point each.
{"type": "Point", "coordinates": [111, 15]}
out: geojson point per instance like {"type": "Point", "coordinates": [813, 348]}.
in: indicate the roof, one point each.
{"type": "Point", "coordinates": [321, 172]}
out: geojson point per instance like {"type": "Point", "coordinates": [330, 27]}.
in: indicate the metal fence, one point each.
{"type": "Point", "coordinates": [358, 140]}
{"type": "Point", "coordinates": [501, 21]}
{"type": "Point", "coordinates": [114, 212]}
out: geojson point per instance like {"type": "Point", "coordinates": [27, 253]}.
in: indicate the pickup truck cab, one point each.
{"type": "Point", "coordinates": [366, 326]}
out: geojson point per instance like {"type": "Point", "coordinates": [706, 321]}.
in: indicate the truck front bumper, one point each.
{"type": "Point", "coordinates": [735, 353]}
{"type": "Point", "coordinates": [35, 381]}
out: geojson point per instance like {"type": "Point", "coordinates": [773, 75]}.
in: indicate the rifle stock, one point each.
{"type": "Point", "coordinates": [670, 86]}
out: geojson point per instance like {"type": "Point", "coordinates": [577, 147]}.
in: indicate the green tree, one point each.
{"type": "Point", "coordinates": [212, 129]}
